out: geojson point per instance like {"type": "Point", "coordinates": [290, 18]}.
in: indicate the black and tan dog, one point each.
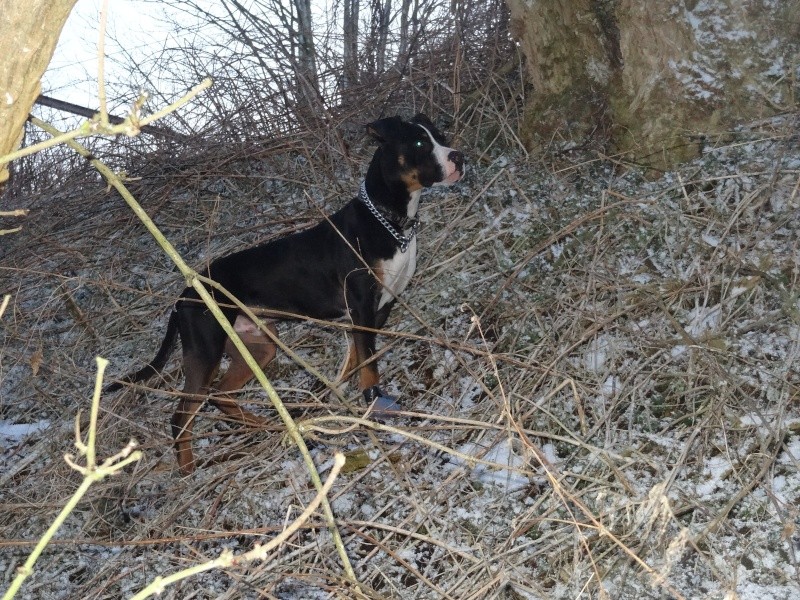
{"type": "Point", "coordinates": [352, 264]}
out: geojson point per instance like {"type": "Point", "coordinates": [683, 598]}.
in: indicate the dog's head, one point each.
{"type": "Point", "coordinates": [416, 153]}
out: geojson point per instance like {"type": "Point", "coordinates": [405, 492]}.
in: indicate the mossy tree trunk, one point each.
{"type": "Point", "coordinates": [29, 31]}
{"type": "Point", "coordinates": [653, 79]}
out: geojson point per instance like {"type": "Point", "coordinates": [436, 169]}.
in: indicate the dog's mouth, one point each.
{"type": "Point", "coordinates": [455, 160]}
{"type": "Point", "coordinates": [454, 176]}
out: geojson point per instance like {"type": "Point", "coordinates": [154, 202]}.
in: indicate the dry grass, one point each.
{"type": "Point", "coordinates": [628, 348]}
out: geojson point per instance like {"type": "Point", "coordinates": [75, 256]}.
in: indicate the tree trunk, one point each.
{"type": "Point", "coordinates": [654, 79]}
{"type": "Point", "coordinates": [306, 68]}
{"type": "Point", "coordinates": [405, 40]}
{"type": "Point", "coordinates": [383, 34]}
{"type": "Point", "coordinates": [350, 43]}
{"type": "Point", "coordinates": [29, 31]}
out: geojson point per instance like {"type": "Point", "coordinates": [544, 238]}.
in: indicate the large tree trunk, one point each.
{"type": "Point", "coordinates": [29, 31]}
{"type": "Point", "coordinates": [653, 78]}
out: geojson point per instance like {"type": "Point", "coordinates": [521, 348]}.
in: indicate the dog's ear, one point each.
{"type": "Point", "coordinates": [422, 119]}
{"type": "Point", "coordinates": [384, 130]}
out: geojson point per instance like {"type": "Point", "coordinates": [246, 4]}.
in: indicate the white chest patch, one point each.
{"type": "Point", "coordinates": [397, 272]}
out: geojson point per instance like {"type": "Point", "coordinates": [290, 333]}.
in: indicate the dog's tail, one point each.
{"type": "Point", "coordinates": [157, 364]}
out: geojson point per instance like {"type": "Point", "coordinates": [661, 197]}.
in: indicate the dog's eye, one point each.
{"type": "Point", "coordinates": [419, 144]}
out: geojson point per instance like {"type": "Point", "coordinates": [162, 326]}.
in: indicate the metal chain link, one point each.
{"type": "Point", "coordinates": [403, 240]}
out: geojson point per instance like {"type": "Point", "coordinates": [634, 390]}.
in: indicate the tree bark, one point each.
{"type": "Point", "coordinates": [566, 63]}
{"type": "Point", "coordinates": [29, 31]}
{"type": "Point", "coordinates": [350, 44]}
{"type": "Point", "coordinates": [654, 80]}
{"type": "Point", "coordinates": [307, 81]}
{"type": "Point", "coordinates": [384, 12]}
{"type": "Point", "coordinates": [406, 18]}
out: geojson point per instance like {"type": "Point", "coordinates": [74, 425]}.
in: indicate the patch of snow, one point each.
{"type": "Point", "coordinates": [610, 387]}
{"type": "Point", "coordinates": [503, 454]}
{"type": "Point", "coordinates": [711, 240]}
{"type": "Point", "coordinates": [596, 355]}
{"type": "Point", "coordinates": [703, 319]}
{"type": "Point", "coordinates": [470, 391]}
{"type": "Point", "coordinates": [15, 432]}
{"type": "Point", "coordinates": [715, 469]}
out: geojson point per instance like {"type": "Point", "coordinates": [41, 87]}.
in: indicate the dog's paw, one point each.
{"type": "Point", "coordinates": [381, 403]}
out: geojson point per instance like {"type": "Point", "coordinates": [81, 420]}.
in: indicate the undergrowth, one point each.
{"type": "Point", "coordinates": [625, 347]}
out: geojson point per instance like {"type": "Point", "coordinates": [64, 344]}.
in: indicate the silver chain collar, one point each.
{"type": "Point", "coordinates": [403, 240]}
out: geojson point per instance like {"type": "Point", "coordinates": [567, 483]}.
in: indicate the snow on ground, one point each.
{"type": "Point", "coordinates": [617, 355]}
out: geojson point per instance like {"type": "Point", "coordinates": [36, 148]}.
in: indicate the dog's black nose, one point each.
{"type": "Point", "coordinates": [457, 158]}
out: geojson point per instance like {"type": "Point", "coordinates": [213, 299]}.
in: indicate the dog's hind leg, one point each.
{"type": "Point", "coordinates": [203, 341]}
{"type": "Point", "coordinates": [203, 344]}
{"type": "Point", "coordinates": [239, 373]}
{"type": "Point", "coordinates": [199, 372]}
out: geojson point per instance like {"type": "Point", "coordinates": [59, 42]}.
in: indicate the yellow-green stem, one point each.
{"type": "Point", "coordinates": [27, 569]}
{"type": "Point", "coordinates": [194, 282]}
{"type": "Point", "coordinates": [91, 473]}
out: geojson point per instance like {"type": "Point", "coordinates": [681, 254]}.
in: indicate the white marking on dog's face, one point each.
{"type": "Point", "coordinates": [413, 204]}
{"type": "Point", "coordinates": [442, 154]}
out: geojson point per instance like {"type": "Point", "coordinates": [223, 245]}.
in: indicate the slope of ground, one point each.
{"type": "Point", "coordinates": [620, 352]}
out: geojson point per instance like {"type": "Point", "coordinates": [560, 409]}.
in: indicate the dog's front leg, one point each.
{"type": "Point", "coordinates": [364, 345]}
{"type": "Point", "coordinates": [362, 302]}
